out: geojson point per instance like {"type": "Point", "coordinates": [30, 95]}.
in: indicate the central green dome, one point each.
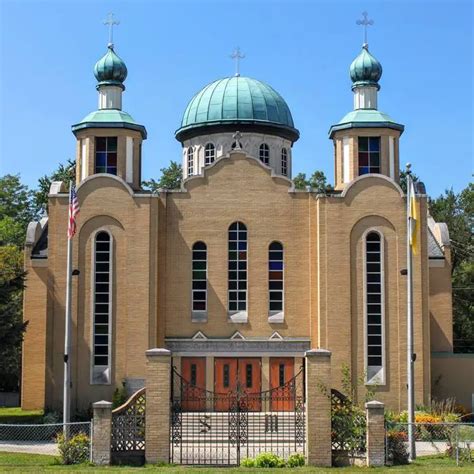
{"type": "Point", "coordinates": [237, 101]}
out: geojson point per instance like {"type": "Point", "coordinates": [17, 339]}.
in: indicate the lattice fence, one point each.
{"type": "Point", "coordinates": [349, 426]}
{"type": "Point", "coordinates": [128, 425]}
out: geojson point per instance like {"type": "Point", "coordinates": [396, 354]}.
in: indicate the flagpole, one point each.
{"type": "Point", "coordinates": [410, 347]}
{"type": "Point", "coordinates": [67, 330]}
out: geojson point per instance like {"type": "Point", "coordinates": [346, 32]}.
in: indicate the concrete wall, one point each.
{"type": "Point", "coordinates": [453, 376]}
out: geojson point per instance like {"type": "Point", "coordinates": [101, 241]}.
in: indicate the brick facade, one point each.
{"type": "Point", "coordinates": [153, 235]}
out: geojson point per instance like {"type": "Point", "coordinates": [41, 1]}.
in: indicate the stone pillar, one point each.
{"type": "Point", "coordinates": [375, 433]}
{"type": "Point", "coordinates": [158, 387]}
{"type": "Point", "coordinates": [101, 433]}
{"type": "Point", "coordinates": [318, 407]}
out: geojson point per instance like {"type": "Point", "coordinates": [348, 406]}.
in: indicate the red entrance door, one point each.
{"type": "Point", "coordinates": [282, 370]}
{"type": "Point", "coordinates": [193, 370]}
{"type": "Point", "coordinates": [228, 373]}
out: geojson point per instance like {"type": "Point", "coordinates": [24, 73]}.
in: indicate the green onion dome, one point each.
{"type": "Point", "coordinates": [237, 103]}
{"type": "Point", "coordinates": [110, 69]}
{"type": "Point", "coordinates": [365, 69]}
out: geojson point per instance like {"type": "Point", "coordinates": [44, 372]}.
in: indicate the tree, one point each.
{"type": "Point", "coordinates": [15, 210]}
{"type": "Point", "coordinates": [65, 173]}
{"type": "Point", "coordinates": [12, 327]}
{"type": "Point", "coordinates": [171, 178]}
{"type": "Point", "coordinates": [457, 211]}
{"type": "Point", "coordinates": [403, 180]}
{"type": "Point", "coordinates": [317, 182]}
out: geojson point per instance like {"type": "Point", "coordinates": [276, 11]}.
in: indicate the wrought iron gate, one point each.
{"type": "Point", "coordinates": [209, 428]}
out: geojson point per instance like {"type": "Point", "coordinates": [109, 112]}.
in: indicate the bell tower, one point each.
{"type": "Point", "coordinates": [366, 141]}
{"type": "Point", "coordinates": [108, 139]}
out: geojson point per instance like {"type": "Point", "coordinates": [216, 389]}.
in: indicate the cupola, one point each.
{"type": "Point", "coordinates": [109, 139]}
{"type": "Point", "coordinates": [366, 140]}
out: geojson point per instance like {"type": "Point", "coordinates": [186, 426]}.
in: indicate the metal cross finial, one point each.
{"type": "Point", "coordinates": [365, 23]}
{"type": "Point", "coordinates": [236, 54]}
{"type": "Point", "coordinates": [111, 21]}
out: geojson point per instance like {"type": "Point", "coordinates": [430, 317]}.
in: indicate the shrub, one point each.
{"type": "Point", "coordinates": [269, 460]}
{"type": "Point", "coordinates": [295, 460]}
{"type": "Point", "coordinates": [52, 417]}
{"type": "Point", "coordinates": [120, 396]}
{"type": "Point", "coordinates": [248, 462]}
{"type": "Point", "coordinates": [396, 449]}
{"type": "Point", "coordinates": [73, 450]}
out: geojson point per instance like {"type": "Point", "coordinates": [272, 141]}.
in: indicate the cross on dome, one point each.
{"type": "Point", "coordinates": [111, 21]}
{"type": "Point", "coordinates": [365, 22]}
{"type": "Point", "coordinates": [237, 56]}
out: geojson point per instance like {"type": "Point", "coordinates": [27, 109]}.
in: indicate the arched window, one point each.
{"type": "Point", "coordinates": [237, 267]}
{"type": "Point", "coordinates": [374, 307]}
{"type": "Point", "coordinates": [284, 162]}
{"type": "Point", "coordinates": [190, 161]}
{"type": "Point", "coordinates": [102, 324]}
{"type": "Point", "coordinates": [209, 154]}
{"type": "Point", "coordinates": [264, 153]}
{"type": "Point", "coordinates": [199, 291]}
{"type": "Point", "coordinates": [275, 277]}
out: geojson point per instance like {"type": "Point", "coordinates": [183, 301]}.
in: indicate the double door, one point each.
{"type": "Point", "coordinates": [237, 380]}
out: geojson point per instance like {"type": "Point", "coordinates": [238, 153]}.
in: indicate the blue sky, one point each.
{"type": "Point", "coordinates": [302, 48]}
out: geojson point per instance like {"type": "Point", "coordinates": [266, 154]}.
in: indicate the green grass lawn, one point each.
{"type": "Point", "coordinates": [17, 415]}
{"type": "Point", "coordinates": [15, 462]}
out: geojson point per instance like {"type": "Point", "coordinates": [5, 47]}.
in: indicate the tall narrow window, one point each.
{"type": "Point", "coordinates": [237, 271]}
{"type": "Point", "coordinates": [199, 277]}
{"type": "Point", "coordinates": [369, 155]}
{"type": "Point", "coordinates": [106, 155]}
{"type": "Point", "coordinates": [275, 277]}
{"type": "Point", "coordinates": [374, 301]}
{"type": "Point", "coordinates": [264, 153]}
{"type": "Point", "coordinates": [209, 154]}
{"type": "Point", "coordinates": [190, 161]}
{"type": "Point", "coordinates": [284, 162]}
{"type": "Point", "coordinates": [102, 309]}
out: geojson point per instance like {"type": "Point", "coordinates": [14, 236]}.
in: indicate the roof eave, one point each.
{"type": "Point", "coordinates": [130, 126]}
{"type": "Point", "coordinates": [349, 125]}
{"type": "Point", "coordinates": [220, 126]}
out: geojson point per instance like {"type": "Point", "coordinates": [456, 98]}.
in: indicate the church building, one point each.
{"type": "Point", "coordinates": [237, 273]}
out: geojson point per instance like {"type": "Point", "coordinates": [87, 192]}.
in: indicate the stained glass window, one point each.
{"type": "Point", "coordinates": [275, 276]}
{"type": "Point", "coordinates": [237, 267]}
{"type": "Point", "coordinates": [101, 292]}
{"type": "Point", "coordinates": [199, 290]}
{"type": "Point", "coordinates": [374, 303]}
{"type": "Point", "coordinates": [106, 155]}
{"type": "Point", "coordinates": [369, 155]}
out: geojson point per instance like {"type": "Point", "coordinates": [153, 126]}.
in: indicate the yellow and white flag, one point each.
{"type": "Point", "coordinates": [413, 219]}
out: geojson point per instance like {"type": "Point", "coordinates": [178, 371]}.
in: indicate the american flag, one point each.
{"type": "Point", "coordinates": [73, 212]}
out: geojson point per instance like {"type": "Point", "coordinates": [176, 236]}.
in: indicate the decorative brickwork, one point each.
{"type": "Point", "coordinates": [158, 386]}
{"type": "Point", "coordinates": [318, 406]}
{"type": "Point", "coordinates": [101, 433]}
{"type": "Point", "coordinates": [375, 433]}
